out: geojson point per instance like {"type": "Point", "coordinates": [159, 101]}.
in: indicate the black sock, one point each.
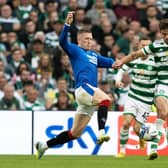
{"type": "Point", "coordinates": [102, 116]}
{"type": "Point", "coordinates": [60, 139]}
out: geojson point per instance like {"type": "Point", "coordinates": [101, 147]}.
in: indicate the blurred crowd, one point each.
{"type": "Point", "coordinates": [35, 73]}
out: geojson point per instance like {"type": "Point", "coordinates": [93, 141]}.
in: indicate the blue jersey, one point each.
{"type": "Point", "coordinates": [84, 63]}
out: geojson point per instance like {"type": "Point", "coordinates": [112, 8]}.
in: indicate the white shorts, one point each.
{"type": "Point", "coordinates": [161, 90]}
{"type": "Point", "coordinates": [84, 100]}
{"type": "Point", "coordinates": [138, 109]}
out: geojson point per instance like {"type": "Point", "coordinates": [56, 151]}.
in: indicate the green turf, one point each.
{"type": "Point", "coordinates": [15, 161]}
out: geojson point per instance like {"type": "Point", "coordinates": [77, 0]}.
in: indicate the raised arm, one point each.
{"type": "Point", "coordinates": [63, 39]}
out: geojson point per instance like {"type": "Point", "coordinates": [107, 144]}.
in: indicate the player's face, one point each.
{"type": "Point", "coordinates": [144, 43]}
{"type": "Point", "coordinates": [165, 35]}
{"type": "Point", "coordinates": [85, 40]}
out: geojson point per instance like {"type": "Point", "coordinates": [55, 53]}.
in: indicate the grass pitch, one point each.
{"type": "Point", "coordinates": [25, 161]}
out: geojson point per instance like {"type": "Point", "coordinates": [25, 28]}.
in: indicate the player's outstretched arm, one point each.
{"type": "Point", "coordinates": [69, 18]}
{"type": "Point", "coordinates": [132, 56]}
{"type": "Point", "coordinates": [128, 58]}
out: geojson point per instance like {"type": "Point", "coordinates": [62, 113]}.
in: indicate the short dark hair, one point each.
{"type": "Point", "coordinates": [37, 41]}
{"type": "Point", "coordinates": [84, 31]}
{"type": "Point", "coordinates": [163, 24]}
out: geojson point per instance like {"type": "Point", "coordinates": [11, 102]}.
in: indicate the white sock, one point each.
{"type": "Point", "coordinates": [159, 124]}
{"type": "Point", "coordinates": [101, 132]}
{"type": "Point", "coordinates": [45, 146]}
{"type": "Point", "coordinates": [123, 148]}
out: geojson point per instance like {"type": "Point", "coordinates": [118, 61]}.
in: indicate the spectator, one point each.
{"type": "Point", "coordinates": [62, 68]}
{"type": "Point", "coordinates": [25, 76]}
{"type": "Point", "coordinates": [34, 16]}
{"type": "Point", "coordinates": [108, 42]}
{"type": "Point", "coordinates": [123, 43]}
{"type": "Point", "coordinates": [96, 10]}
{"type": "Point", "coordinates": [126, 9]}
{"type": "Point", "coordinates": [33, 54]}
{"type": "Point", "coordinates": [23, 10]}
{"type": "Point", "coordinates": [63, 103]}
{"type": "Point", "coordinates": [28, 32]}
{"type": "Point", "coordinates": [45, 82]}
{"type": "Point", "coordinates": [44, 63]}
{"type": "Point", "coordinates": [71, 6]}
{"type": "Point", "coordinates": [153, 29]}
{"type": "Point", "coordinates": [121, 26]}
{"type": "Point", "coordinates": [151, 14]}
{"type": "Point", "coordinates": [4, 44]}
{"type": "Point", "coordinates": [9, 101]}
{"type": "Point", "coordinates": [3, 82]}
{"type": "Point", "coordinates": [87, 4]}
{"type": "Point", "coordinates": [7, 70]}
{"type": "Point", "coordinates": [51, 96]}
{"type": "Point", "coordinates": [52, 38]}
{"type": "Point", "coordinates": [15, 43]}
{"type": "Point", "coordinates": [40, 35]}
{"type": "Point", "coordinates": [15, 58]}
{"type": "Point", "coordinates": [7, 21]}
{"type": "Point", "coordinates": [17, 75]}
{"type": "Point", "coordinates": [104, 28]}
{"type": "Point", "coordinates": [48, 23]}
{"type": "Point", "coordinates": [32, 101]}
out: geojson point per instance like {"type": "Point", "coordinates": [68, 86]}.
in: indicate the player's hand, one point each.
{"type": "Point", "coordinates": [119, 84]}
{"type": "Point", "coordinates": [117, 64]}
{"type": "Point", "coordinates": [69, 18]}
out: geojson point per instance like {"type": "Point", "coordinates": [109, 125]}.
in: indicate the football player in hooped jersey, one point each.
{"type": "Point", "coordinates": [85, 65]}
{"type": "Point", "coordinates": [159, 49]}
{"type": "Point", "coordinates": [140, 95]}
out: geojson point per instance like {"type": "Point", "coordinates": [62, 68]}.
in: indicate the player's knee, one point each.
{"type": "Point", "coordinates": [161, 104]}
{"type": "Point", "coordinates": [105, 102]}
{"type": "Point", "coordinates": [126, 124]}
{"type": "Point", "coordinates": [136, 129]}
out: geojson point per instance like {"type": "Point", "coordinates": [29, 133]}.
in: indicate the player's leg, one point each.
{"type": "Point", "coordinates": [80, 122]}
{"type": "Point", "coordinates": [82, 117]}
{"type": "Point", "coordinates": [142, 142]}
{"type": "Point", "coordinates": [103, 101]}
{"type": "Point", "coordinates": [162, 111]}
{"type": "Point", "coordinates": [124, 134]}
{"type": "Point", "coordinates": [128, 116]}
{"type": "Point", "coordinates": [166, 130]}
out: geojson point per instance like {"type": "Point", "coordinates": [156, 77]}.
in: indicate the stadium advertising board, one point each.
{"type": "Point", "coordinates": [19, 132]}
{"type": "Point", "coordinates": [133, 145]}
{"type": "Point", "coordinates": [49, 124]}
{"type": "Point", "coordinates": [16, 132]}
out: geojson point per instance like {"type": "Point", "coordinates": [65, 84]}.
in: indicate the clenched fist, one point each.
{"type": "Point", "coordinates": [69, 18]}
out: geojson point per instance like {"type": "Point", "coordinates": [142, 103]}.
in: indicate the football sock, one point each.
{"type": "Point", "coordinates": [102, 113]}
{"type": "Point", "coordinates": [123, 139]}
{"type": "Point", "coordinates": [102, 116]}
{"type": "Point", "coordinates": [154, 143]}
{"type": "Point", "coordinates": [159, 124]}
{"type": "Point", "coordinates": [62, 138]}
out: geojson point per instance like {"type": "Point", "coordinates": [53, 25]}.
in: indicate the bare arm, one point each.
{"type": "Point", "coordinates": [129, 58]}
{"type": "Point", "coordinates": [132, 56]}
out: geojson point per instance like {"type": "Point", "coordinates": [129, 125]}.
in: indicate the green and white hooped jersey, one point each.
{"type": "Point", "coordinates": [159, 49]}
{"type": "Point", "coordinates": [144, 77]}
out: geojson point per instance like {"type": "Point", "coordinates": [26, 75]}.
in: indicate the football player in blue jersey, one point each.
{"type": "Point", "coordinates": [85, 63]}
